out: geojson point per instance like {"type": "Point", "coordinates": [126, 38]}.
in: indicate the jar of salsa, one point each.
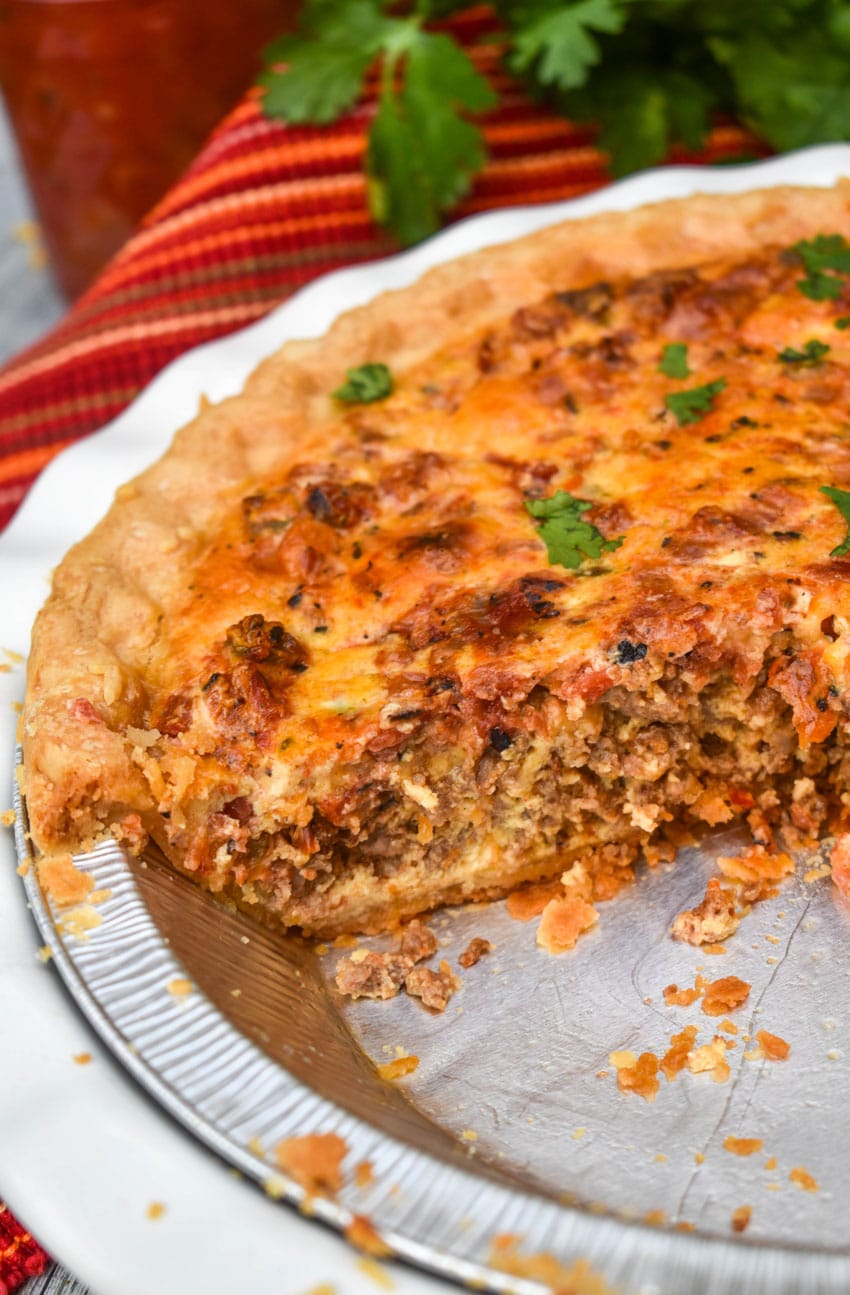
{"type": "Point", "coordinates": [111, 99]}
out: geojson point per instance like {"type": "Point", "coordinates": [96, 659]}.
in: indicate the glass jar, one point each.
{"type": "Point", "coordinates": [111, 99]}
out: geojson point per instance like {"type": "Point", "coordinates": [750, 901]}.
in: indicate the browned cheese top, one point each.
{"type": "Point", "coordinates": [391, 575]}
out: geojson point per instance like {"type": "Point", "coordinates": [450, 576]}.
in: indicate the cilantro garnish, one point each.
{"type": "Point", "coordinates": [690, 406]}
{"type": "Point", "coordinates": [555, 42]}
{"type": "Point", "coordinates": [841, 323]}
{"type": "Point", "coordinates": [674, 361]}
{"type": "Point", "coordinates": [647, 73]}
{"type": "Point", "coordinates": [367, 383]}
{"type": "Point", "coordinates": [811, 354]}
{"type": "Point", "coordinates": [841, 499]}
{"type": "Point", "coordinates": [821, 256]}
{"type": "Point", "coordinates": [422, 152]}
{"type": "Point", "coordinates": [569, 539]}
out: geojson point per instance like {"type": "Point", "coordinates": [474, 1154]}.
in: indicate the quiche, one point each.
{"type": "Point", "coordinates": [536, 565]}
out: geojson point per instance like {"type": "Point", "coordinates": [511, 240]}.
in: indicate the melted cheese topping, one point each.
{"type": "Point", "coordinates": [390, 576]}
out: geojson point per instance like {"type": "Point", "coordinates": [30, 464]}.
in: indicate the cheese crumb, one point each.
{"type": "Point", "coordinates": [803, 1179]}
{"type": "Point", "coordinates": [741, 1218]}
{"type": "Point", "coordinates": [742, 1146]}
{"type": "Point", "coordinates": [62, 881]}
{"type": "Point", "coordinates": [155, 1210]}
{"type": "Point", "coordinates": [379, 1275]}
{"type": "Point", "coordinates": [398, 1068]}
{"type": "Point", "coordinates": [179, 987]}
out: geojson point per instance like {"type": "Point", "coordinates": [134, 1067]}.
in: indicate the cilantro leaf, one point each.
{"type": "Point", "coordinates": [841, 499]}
{"type": "Point", "coordinates": [820, 287]}
{"type": "Point", "coordinates": [841, 323]}
{"type": "Point", "coordinates": [365, 384]}
{"type": "Point", "coordinates": [790, 84]}
{"type": "Point", "coordinates": [674, 361]}
{"type": "Point", "coordinates": [422, 152]}
{"type": "Point", "coordinates": [812, 354]}
{"type": "Point", "coordinates": [690, 406]}
{"type": "Point", "coordinates": [569, 539]}
{"type": "Point", "coordinates": [318, 74]}
{"type": "Point", "coordinates": [555, 39]}
{"type": "Point", "coordinates": [824, 253]}
{"type": "Point", "coordinates": [640, 106]}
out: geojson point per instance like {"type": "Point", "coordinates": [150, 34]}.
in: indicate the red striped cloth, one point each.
{"type": "Point", "coordinates": [20, 1256]}
{"type": "Point", "coordinates": [263, 210]}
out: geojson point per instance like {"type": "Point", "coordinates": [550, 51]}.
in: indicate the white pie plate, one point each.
{"type": "Point", "coordinates": [83, 1151]}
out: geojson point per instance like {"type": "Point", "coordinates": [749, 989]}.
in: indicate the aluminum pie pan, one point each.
{"type": "Point", "coordinates": [285, 1057]}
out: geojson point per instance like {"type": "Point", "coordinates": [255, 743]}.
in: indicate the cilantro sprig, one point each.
{"type": "Point", "coordinates": [674, 361]}
{"type": "Point", "coordinates": [646, 73]}
{"type": "Point", "coordinates": [569, 539]}
{"type": "Point", "coordinates": [810, 356]}
{"type": "Point", "coordinates": [690, 406]}
{"type": "Point", "coordinates": [821, 256]}
{"type": "Point", "coordinates": [365, 384]}
{"type": "Point", "coordinates": [422, 151]}
{"type": "Point", "coordinates": [841, 499]}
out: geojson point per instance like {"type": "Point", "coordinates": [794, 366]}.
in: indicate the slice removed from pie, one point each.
{"type": "Point", "coordinates": [539, 562]}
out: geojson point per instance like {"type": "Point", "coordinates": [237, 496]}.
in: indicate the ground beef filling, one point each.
{"type": "Point", "coordinates": [638, 772]}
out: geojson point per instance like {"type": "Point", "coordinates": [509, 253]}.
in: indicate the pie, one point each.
{"type": "Point", "coordinates": [539, 564]}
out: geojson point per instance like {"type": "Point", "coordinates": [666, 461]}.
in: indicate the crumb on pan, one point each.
{"type": "Point", "coordinates": [714, 918]}
{"type": "Point", "coordinates": [474, 952]}
{"type": "Point", "coordinates": [418, 942]}
{"type": "Point", "coordinates": [376, 975]}
{"type": "Point", "coordinates": [375, 1272]}
{"type": "Point", "coordinates": [62, 881]}
{"type": "Point", "coordinates": [155, 1210]}
{"type": "Point", "coordinates": [7, 818]}
{"type": "Point", "coordinates": [362, 1233]}
{"type": "Point", "coordinates": [577, 1279]}
{"type": "Point", "coordinates": [676, 997]}
{"type": "Point", "coordinates": [180, 987]}
{"type": "Point", "coordinates": [435, 988]}
{"type": "Point", "coordinates": [314, 1161]}
{"type": "Point", "coordinates": [398, 1068]}
{"type": "Point", "coordinates": [754, 866]}
{"type": "Point", "coordinates": [724, 995]}
{"type": "Point", "coordinates": [529, 901]}
{"type": "Point", "coordinates": [82, 1058]}
{"type": "Point", "coordinates": [364, 1174]}
{"type": "Point", "coordinates": [367, 974]}
{"type": "Point", "coordinates": [742, 1146]}
{"type": "Point", "coordinates": [79, 921]}
{"type": "Point", "coordinates": [773, 1046]}
{"type": "Point", "coordinates": [640, 1078]}
{"type": "Point", "coordinates": [741, 1216]}
{"type": "Point", "coordinates": [710, 1058]}
{"type": "Point", "coordinates": [563, 921]}
{"type": "Point", "coordinates": [803, 1179]}
{"type": "Point", "coordinates": [676, 1057]}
